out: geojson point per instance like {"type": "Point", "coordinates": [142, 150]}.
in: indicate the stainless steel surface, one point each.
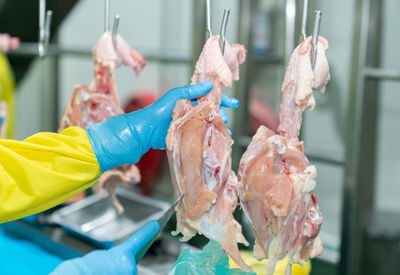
{"type": "Point", "coordinates": [168, 214]}
{"type": "Point", "coordinates": [107, 12]}
{"type": "Point", "coordinates": [115, 29]}
{"type": "Point", "coordinates": [208, 19]}
{"type": "Point", "coordinates": [49, 16]}
{"type": "Point", "coordinates": [30, 49]}
{"type": "Point", "coordinates": [361, 142]}
{"type": "Point", "coordinates": [42, 22]}
{"type": "Point", "coordinates": [199, 24]}
{"type": "Point", "coordinates": [304, 21]}
{"type": "Point", "coordinates": [44, 28]}
{"type": "Point", "coordinates": [379, 73]}
{"type": "Point", "coordinates": [290, 28]}
{"type": "Point", "coordinates": [96, 220]}
{"type": "Point", "coordinates": [315, 37]}
{"type": "Point", "coordinates": [162, 221]}
{"type": "Point", "coordinates": [222, 31]}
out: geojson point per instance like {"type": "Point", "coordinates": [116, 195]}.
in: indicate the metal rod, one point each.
{"type": "Point", "coordinates": [378, 73]}
{"type": "Point", "coordinates": [49, 15]}
{"type": "Point", "coordinates": [107, 12]}
{"type": "Point", "coordinates": [44, 28]}
{"type": "Point", "coordinates": [115, 29]}
{"type": "Point", "coordinates": [290, 28]}
{"type": "Point", "coordinates": [222, 32]}
{"type": "Point", "coordinates": [30, 49]}
{"type": "Point", "coordinates": [208, 13]}
{"type": "Point", "coordinates": [42, 20]}
{"type": "Point", "coordinates": [42, 11]}
{"type": "Point", "coordinates": [303, 35]}
{"type": "Point", "coordinates": [315, 37]}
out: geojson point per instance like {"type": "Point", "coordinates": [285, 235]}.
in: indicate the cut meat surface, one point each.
{"type": "Point", "coordinates": [276, 181]}
{"type": "Point", "coordinates": [199, 154]}
{"type": "Point", "coordinates": [99, 101]}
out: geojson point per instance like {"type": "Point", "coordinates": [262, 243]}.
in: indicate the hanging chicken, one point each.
{"type": "Point", "coordinates": [199, 153]}
{"type": "Point", "coordinates": [99, 101]}
{"type": "Point", "coordinates": [276, 180]}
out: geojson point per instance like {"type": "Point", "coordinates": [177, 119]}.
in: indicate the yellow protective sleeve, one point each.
{"type": "Point", "coordinates": [7, 84]}
{"type": "Point", "coordinates": [44, 170]}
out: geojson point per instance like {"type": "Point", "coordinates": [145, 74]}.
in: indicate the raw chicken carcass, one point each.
{"type": "Point", "coordinates": [199, 154]}
{"type": "Point", "coordinates": [100, 101]}
{"type": "Point", "coordinates": [276, 181]}
{"type": "Point", "coordinates": [8, 43]}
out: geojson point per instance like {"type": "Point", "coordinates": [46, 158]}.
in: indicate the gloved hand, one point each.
{"type": "Point", "coordinates": [117, 260]}
{"type": "Point", "coordinates": [125, 138]}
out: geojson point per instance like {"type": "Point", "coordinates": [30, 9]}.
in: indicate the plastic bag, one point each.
{"type": "Point", "coordinates": [211, 260]}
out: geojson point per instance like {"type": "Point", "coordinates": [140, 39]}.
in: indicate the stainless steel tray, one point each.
{"type": "Point", "coordinates": [96, 220]}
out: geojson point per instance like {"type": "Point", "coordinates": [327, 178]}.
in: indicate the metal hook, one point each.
{"type": "Point", "coordinates": [315, 37]}
{"type": "Point", "coordinates": [208, 12]}
{"type": "Point", "coordinates": [107, 12]}
{"type": "Point", "coordinates": [222, 32]}
{"type": "Point", "coordinates": [303, 35]}
{"type": "Point", "coordinates": [115, 29]}
{"type": "Point", "coordinates": [44, 28]}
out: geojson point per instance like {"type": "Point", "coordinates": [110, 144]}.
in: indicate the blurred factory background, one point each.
{"type": "Point", "coordinates": [351, 136]}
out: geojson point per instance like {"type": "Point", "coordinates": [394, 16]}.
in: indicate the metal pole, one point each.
{"type": "Point", "coordinates": [290, 29]}
{"type": "Point", "coordinates": [315, 37]}
{"type": "Point", "coordinates": [243, 86]}
{"type": "Point", "coordinates": [107, 12]}
{"type": "Point", "coordinates": [304, 21]}
{"type": "Point", "coordinates": [199, 25]}
{"type": "Point", "coordinates": [208, 20]}
{"type": "Point", "coordinates": [361, 143]}
{"type": "Point", "coordinates": [222, 32]}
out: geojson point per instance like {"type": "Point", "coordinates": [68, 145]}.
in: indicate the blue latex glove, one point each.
{"type": "Point", "coordinates": [117, 260]}
{"type": "Point", "coordinates": [125, 138]}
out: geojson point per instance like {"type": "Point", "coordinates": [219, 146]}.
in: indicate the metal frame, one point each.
{"type": "Point", "coordinates": [30, 49]}
{"type": "Point", "coordinates": [242, 87]}
{"type": "Point", "coordinates": [362, 128]}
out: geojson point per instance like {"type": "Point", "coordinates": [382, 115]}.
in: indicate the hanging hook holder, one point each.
{"type": "Point", "coordinates": [222, 32]}
{"type": "Point", "coordinates": [44, 28]}
{"type": "Point", "coordinates": [303, 35]}
{"type": "Point", "coordinates": [107, 11]}
{"type": "Point", "coordinates": [115, 24]}
{"type": "Point", "coordinates": [317, 24]}
{"type": "Point", "coordinates": [208, 19]}
{"type": "Point", "coordinates": [115, 29]}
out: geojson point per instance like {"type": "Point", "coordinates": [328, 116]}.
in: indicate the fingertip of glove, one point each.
{"type": "Point", "coordinates": [235, 102]}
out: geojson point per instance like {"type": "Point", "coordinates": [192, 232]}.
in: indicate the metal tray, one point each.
{"type": "Point", "coordinates": [95, 219]}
